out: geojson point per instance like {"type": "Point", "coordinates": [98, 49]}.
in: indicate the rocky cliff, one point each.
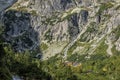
{"type": "Point", "coordinates": [64, 26]}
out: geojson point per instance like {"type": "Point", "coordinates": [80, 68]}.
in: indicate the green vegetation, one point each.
{"type": "Point", "coordinates": [76, 57]}
{"type": "Point", "coordinates": [48, 35]}
{"type": "Point", "coordinates": [23, 64]}
{"type": "Point", "coordinates": [52, 20]}
{"type": "Point", "coordinates": [22, 9]}
{"type": "Point", "coordinates": [43, 46]}
{"type": "Point", "coordinates": [117, 32]}
{"type": "Point", "coordinates": [78, 43]}
{"type": "Point", "coordinates": [33, 12]}
{"type": "Point", "coordinates": [101, 49]}
{"type": "Point", "coordinates": [98, 67]}
{"type": "Point", "coordinates": [83, 38]}
{"type": "Point", "coordinates": [91, 29]}
{"type": "Point", "coordinates": [4, 71]}
{"type": "Point", "coordinates": [73, 47]}
{"type": "Point", "coordinates": [106, 17]}
{"type": "Point", "coordinates": [104, 6]}
{"type": "Point", "coordinates": [49, 21]}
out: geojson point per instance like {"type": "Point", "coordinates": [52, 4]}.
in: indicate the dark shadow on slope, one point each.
{"type": "Point", "coordinates": [19, 31]}
{"type": "Point", "coordinates": [73, 26]}
{"type": "Point", "coordinates": [65, 3]}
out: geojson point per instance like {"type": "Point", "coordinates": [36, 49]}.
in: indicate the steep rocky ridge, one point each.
{"type": "Point", "coordinates": [64, 26]}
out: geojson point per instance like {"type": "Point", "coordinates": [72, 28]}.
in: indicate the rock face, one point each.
{"type": "Point", "coordinates": [50, 11]}
{"type": "Point", "coordinates": [4, 4]}
{"type": "Point", "coordinates": [31, 23]}
{"type": "Point", "coordinates": [73, 25]}
{"type": "Point", "coordinates": [19, 31]}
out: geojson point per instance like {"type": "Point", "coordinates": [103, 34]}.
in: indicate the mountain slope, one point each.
{"type": "Point", "coordinates": [83, 26]}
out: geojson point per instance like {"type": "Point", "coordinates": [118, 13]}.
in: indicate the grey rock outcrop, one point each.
{"type": "Point", "coordinates": [19, 32]}
{"type": "Point", "coordinates": [4, 4]}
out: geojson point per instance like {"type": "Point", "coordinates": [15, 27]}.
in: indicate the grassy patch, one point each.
{"type": "Point", "coordinates": [91, 29]}
{"type": "Point", "coordinates": [98, 67]}
{"type": "Point", "coordinates": [101, 49]}
{"type": "Point", "coordinates": [104, 6]}
{"type": "Point", "coordinates": [48, 35]}
{"type": "Point", "coordinates": [73, 47]}
{"type": "Point", "coordinates": [78, 44]}
{"type": "Point", "coordinates": [43, 46]}
{"type": "Point", "coordinates": [117, 32]}
{"type": "Point", "coordinates": [77, 57]}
